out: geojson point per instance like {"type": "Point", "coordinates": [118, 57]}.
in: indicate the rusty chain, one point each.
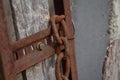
{"type": "Point", "coordinates": [58, 22]}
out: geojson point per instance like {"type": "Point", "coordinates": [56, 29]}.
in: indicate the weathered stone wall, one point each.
{"type": "Point", "coordinates": [112, 63]}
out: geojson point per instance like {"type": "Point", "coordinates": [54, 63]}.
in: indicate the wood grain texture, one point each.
{"type": "Point", "coordinates": [31, 16]}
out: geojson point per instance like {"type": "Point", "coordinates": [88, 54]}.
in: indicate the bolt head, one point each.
{"type": "Point", "coordinates": [40, 46]}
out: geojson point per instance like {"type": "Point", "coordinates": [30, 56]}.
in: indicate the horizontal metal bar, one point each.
{"type": "Point", "coordinates": [32, 59]}
{"type": "Point", "coordinates": [31, 39]}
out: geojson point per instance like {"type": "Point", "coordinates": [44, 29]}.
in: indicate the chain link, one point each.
{"type": "Point", "coordinates": [61, 40]}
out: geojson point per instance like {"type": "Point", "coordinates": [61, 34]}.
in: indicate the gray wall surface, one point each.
{"type": "Point", "coordinates": [90, 18]}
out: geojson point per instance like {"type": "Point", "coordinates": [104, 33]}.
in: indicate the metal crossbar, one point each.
{"type": "Point", "coordinates": [14, 62]}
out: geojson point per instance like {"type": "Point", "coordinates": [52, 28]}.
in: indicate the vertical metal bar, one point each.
{"type": "Point", "coordinates": [5, 51]}
{"type": "Point", "coordinates": [71, 42]}
{"type": "Point", "coordinates": [63, 7]}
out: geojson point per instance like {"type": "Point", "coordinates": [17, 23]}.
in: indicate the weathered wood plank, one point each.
{"type": "Point", "coordinates": [31, 16]}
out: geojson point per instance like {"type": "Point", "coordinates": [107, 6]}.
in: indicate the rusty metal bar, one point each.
{"type": "Point", "coordinates": [31, 39]}
{"type": "Point", "coordinates": [74, 73]}
{"type": "Point", "coordinates": [5, 50]}
{"type": "Point", "coordinates": [62, 7]}
{"type": "Point", "coordinates": [32, 59]}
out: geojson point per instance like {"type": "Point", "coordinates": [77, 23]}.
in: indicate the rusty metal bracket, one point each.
{"type": "Point", "coordinates": [12, 55]}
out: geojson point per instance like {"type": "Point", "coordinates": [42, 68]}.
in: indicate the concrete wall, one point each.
{"type": "Point", "coordinates": [91, 24]}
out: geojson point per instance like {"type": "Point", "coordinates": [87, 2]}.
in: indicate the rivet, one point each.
{"type": "Point", "coordinates": [40, 46]}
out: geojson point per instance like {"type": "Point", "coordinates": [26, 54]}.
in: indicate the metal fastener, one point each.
{"type": "Point", "coordinates": [40, 46]}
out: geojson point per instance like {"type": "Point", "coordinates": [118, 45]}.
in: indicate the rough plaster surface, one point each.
{"type": "Point", "coordinates": [112, 63]}
{"type": "Point", "coordinates": [91, 24]}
